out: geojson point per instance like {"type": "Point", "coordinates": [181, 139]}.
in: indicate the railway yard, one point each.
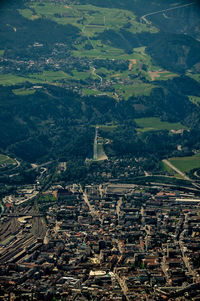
{"type": "Point", "coordinates": [20, 231]}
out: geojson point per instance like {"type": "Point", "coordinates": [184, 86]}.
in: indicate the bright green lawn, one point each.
{"type": "Point", "coordinates": [185, 164]}
{"type": "Point", "coordinates": [169, 170]}
{"type": "Point", "coordinates": [136, 89]}
{"type": "Point", "coordinates": [50, 76]}
{"type": "Point", "coordinates": [35, 78]}
{"type": "Point", "coordinates": [80, 75]}
{"type": "Point", "coordinates": [91, 92]}
{"type": "Point", "coordinates": [105, 52]}
{"type": "Point", "coordinates": [10, 79]}
{"type": "Point", "coordinates": [155, 124]}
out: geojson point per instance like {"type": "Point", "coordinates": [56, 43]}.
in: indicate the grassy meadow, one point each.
{"type": "Point", "coordinates": [34, 78]}
{"type": "Point", "coordinates": [92, 20]}
{"type": "Point", "coordinates": [23, 92]}
{"type": "Point", "coordinates": [155, 124]}
{"type": "Point", "coordinates": [185, 164]}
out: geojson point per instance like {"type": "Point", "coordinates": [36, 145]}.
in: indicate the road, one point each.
{"type": "Point", "coordinates": [181, 173]}
{"type": "Point", "coordinates": [101, 190]}
{"type": "Point", "coordinates": [176, 170]}
{"type": "Point", "coordinates": [27, 199]}
{"type": "Point", "coordinates": [35, 166]}
{"type": "Point", "coordinates": [184, 256]}
{"type": "Point", "coordinates": [196, 174]}
{"type": "Point", "coordinates": [18, 163]}
{"type": "Point", "coordinates": [118, 207]}
{"type": "Point", "coordinates": [143, 18]}
{"type": "Point", "coordinates": [95, 74]}
{"type": "Point", "coordinates": [93, 212]}
{"type": "Point", "coordinates": [122, 284]}
{"type": "Point", "coordinates": [15, 167]}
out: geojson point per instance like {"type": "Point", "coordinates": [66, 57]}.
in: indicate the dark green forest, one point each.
{"type": "Point", "coordinates": [55, 123]}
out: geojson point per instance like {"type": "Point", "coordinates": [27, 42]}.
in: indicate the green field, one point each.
{"type": "Point", "coordinates": [139, 56]}
{"type": "Point", "coordinates": [194, 76]}
{"type": "Point", "coordinates": [104, 52]}
{"type": "Point", "coordinates": [90, 20]}
{"type": "Point", "coordinates": [137, 89]}
{"type": "Point", "coordinates": [27, 13]}
{"type": "Point", "coordinates": [85, 16]}
{"type": "Point", "coordinates": [185, 164]}
{"type": "Point", "coordinates": [23, 92]}
{"type": "Point", "coordinates": [163, 75]}
{"type": "Point", "coordinates": [169, 170]}
{"type": "Point", "coordinates": [90, 92]}
{"type": "Point", "coordinates": [50, 76]}
{"type": "Point", "coordinates": [2, 52]}
{"type": "Point", "coordinates": [34, 78]}
{"type": "Point", "coordinates": [81, 75]}
{"type": "Point", "coordinates": [6, 160]}
{"type": "Point", "coordinates": [125, 91]}
{"type": "Point", "coordinates": [11, 79]}
{"type": "Point", "coordinates": [155, 124]}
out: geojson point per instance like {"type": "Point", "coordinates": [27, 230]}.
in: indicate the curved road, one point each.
{"type": "Point", "coordinates": [95, 74]}
{"type": "Point", "coordinates": [163, 11]}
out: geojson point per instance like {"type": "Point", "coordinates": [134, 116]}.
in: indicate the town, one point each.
{"type": "Point", "coordinates": [102, 242]}
{"type": "Point", "coordinates": [99, 150]}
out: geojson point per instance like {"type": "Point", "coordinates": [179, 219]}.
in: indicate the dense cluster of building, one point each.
{"type": "Point", "coordinates": [106, 242]}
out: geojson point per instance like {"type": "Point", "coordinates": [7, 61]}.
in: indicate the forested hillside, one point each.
{"type": "Point", "coordinates": [66, 67]}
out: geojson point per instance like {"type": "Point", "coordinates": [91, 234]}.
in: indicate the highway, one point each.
{"type": "Point", "coordinates": [143, 18]}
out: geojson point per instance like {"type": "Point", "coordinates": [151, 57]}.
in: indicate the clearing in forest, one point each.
{"type": "Point", "coordinates": [160, 75]}
{"type": "Point", "coordinates": [155, 124]}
